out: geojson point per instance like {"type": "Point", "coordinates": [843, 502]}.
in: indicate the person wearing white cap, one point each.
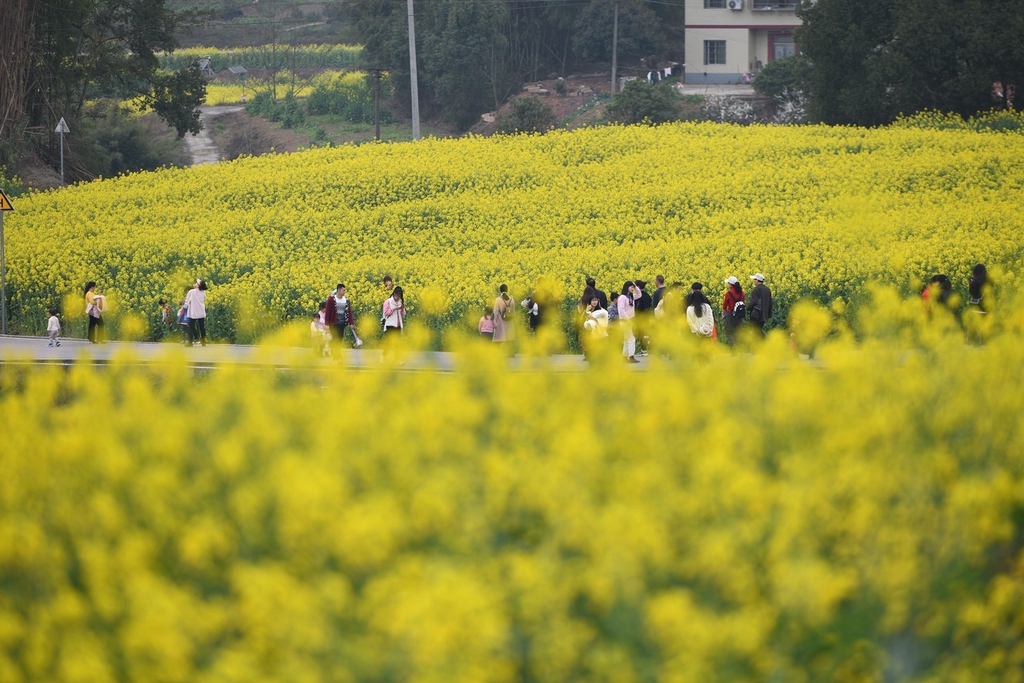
{"type": "Point", "coordinates": [733, 310]}
{"type": "Point", "coordinates": [760, 302]}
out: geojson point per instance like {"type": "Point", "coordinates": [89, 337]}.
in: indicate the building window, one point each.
{"type": "Point", "coordinates": [714, 52]}
{"type": "Point", "coordinates": [714, 4]}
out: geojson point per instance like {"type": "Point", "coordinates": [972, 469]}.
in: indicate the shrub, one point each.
{"type": "Point", "coordinates": [783, 77]}
{"type": "Point", "coordinates": [527, 114]}
{"type": "Point", "coordinates": [349, 95]}
{"type": "Point", "coordinates": [287, 111]}
{"type": "Point", "coordinates": [641, 102]}
{"type": "Point", "coordinates": [120, 141]}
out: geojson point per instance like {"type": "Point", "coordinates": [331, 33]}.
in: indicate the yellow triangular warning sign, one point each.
{"type": "Point", "coordinates": [5, 203]}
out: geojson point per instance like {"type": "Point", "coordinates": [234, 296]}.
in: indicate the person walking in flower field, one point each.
{"type": "Point", "coordinates": [195, 301]}
{"type": "Point", "coordinates": [760, 302]}
{"type": "Point", "coordinates": [183, 319]}
{"type": "Point", "coordinates": [486, 325]}
{"type": "Point", "coordinates": [699, 315]}
{"type": "Point", "coordinates": [626, 304]}
{"type": "Point", "coordinates": [338, 315]}
{"type": "Point", "coordinates": [94, 304]}
{"type": "Point", "coordinates": [595, 327]}
{"type": "Point", "coordinates": [977, 287]}
{"type": "Point", "coordinates": [320, 335]}
{"type": "Point", "coordinates": [504, 310]}
{"type": "Point", "coordinates": [393, 313]}
{"type": "Point", "coordinates": [53, 328]}
{"type": "Point", "coordinates": [733, 308]}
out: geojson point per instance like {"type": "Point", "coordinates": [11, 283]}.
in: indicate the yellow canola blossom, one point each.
{"type": "Point", "coordinates": [819, 210]}
{"type": "Point", "coordinates": [723, 518]}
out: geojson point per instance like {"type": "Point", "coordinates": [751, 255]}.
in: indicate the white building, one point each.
{"type": "Point", "coordinates": [726, 39]}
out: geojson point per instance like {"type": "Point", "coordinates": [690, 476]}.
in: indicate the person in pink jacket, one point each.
{"type": "Point", "coordinates": [626, 308]}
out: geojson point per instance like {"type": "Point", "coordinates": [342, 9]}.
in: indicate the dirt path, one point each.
{"type": "Point", "coordinates": [201, 147]}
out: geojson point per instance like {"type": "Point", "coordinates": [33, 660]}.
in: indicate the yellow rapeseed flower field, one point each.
{"type": "Point", "coordinates": [721, 518]}
{"type": "Point", "coordinates": [820, 210]}
{"type": "Point", "coordinates": [857, 516]}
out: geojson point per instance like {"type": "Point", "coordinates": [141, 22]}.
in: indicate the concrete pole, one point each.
{"type": "Point", "coordinates": [615, 47]}
{"type": "Point", "coordinates": [376, 105]}
{"type": "Point", "coordinates": [413, 77]}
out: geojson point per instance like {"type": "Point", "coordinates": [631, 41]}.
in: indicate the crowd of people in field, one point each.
{"type": "Point", "coordinates": [626, 316]}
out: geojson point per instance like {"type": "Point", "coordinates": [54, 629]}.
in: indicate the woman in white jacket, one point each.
{"type": "Point", "coordinates": [195, 302]}
{"type": "Point", "coordinates": [393, 314]}
{"type": "Point", "coordinates": [699, 314]}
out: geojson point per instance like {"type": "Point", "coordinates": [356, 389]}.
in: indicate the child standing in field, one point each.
{"type": "Point", "coordinates": [53, 328]}
{"type": "Point", "coordinates": [167, 317]}
{"type": "Point", "coordinates": [486, 324]}
{"type": "Point", "coordinates": [319, 335]}
{"type": "Point", "coordinates": [183, 321]}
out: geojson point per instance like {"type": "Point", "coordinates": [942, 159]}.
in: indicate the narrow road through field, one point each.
{"type": "Point", "coordinates": [201, 146]}
{"type": "Point", "coordinates": [18, 350]}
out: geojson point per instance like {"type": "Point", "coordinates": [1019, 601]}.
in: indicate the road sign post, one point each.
{"type": "Point", "coordinates": [62, 127]}
{"type": "Point", "coordinates": [5, 206]}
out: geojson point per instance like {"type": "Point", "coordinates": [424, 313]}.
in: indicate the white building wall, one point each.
{"type": "Point", "coordinates": [746, 35]}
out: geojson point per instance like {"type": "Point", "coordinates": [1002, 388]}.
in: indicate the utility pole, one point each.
{"type": "Point", "coordinates": [5, 205]}
{"type": "Point", "coordinates": [615, 46]}
{"type": "Point", "coordinates": [413, 78]}
{"type": "Point", "coordinates": [376, 71]}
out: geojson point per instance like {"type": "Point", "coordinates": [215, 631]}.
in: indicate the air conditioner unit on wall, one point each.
{"type": "Point", "coordinates": [735, 5]}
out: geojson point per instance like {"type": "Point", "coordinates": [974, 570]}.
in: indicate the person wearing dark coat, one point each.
{"type": "Point", "coordinates": [760, 303]}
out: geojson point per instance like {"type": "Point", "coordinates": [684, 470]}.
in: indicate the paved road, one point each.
{"type": "Point", "coordinates": [201, 146]}
{"type": "Point", "coordinates": [15, 349]}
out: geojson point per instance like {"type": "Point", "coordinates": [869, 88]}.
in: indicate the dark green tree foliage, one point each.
{"type": "Point", "coordinates": [640, 32]}
{"type": "Point", "coordinates": [876, 59]}
{"type": "Point", "coordinates": [176, 97]}
{"type": "Point", "coordinates": [461, 46]}
{"type": "Point", "coordinates": [82, 49]}
{"type": "Point", "coordinates": [527, 115]}
{"type": "Point", "coordinates": [114, 142]}
{"type": "Point", "coordinates": [474, 54]}
{"type": "Point", "coordinates": [790, 75]}
{"type": "Point", "coordinates": [287, 111]}
{"type": "Point", "coordinates": [641, 102]}
{"type": "Point", "coordinates": [355, 104]}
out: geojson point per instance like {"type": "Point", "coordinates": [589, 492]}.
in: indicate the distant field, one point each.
{"type": "Point", "coordinates": [266, 57]}
{"type": "Point", "coordinates": [286, 22]}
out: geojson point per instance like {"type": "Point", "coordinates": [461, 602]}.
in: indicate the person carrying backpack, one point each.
{"type": "Point", "coordinates": [760, 302]}
{"type": "Point", "coordinates": [734, 310]}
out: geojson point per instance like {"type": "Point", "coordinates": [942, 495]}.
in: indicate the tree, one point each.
{"type": "Point", "coordinates": [176, 98]}
{"type": "Point", "coordinates": [459, 47]}
{"type": "Point", "coordinates": [474, 54]}
{"type": "Point", "coordinates": [641, 102]}
{"type": "Point", "coordinates": [527, 115]}
{"type": "Point", "coordinates": [784, 76]}
{"type": "Point", "coordinates": [640, 32]}
{"type": "Point", "coordinates": [876, 59]}
{"type": "Point", "coordinates": [76, 50]}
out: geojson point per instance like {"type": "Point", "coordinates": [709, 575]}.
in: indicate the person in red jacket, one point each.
{"type": "Point", "coordinates": [731, 318]}
{"type": "Point", "coordinates": [339, 316]}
